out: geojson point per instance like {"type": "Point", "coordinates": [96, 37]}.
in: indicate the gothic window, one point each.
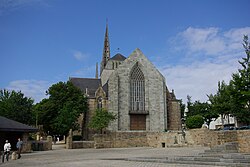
{"type": "Point", "coordinates": [137, 90]}
{"type": "Point", "coordinates": [99, 102]}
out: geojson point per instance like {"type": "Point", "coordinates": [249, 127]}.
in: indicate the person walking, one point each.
{"type": "Point", "coordinates": [19, 147]}
{"type": "Point", "coordinates": [6, 149]}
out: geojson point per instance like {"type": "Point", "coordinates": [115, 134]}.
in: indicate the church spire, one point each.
{"type": "Point", "coordinates": [96, 71]}
{"type": "Point", "coordinates": [106, 49]}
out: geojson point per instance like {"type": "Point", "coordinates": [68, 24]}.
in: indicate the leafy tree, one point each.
{"type": "Point", "coordinates": [14, 105]}
{"type": "Point", "coordinates": [241, 87]}
{"type": "Point", "coordinates": [58, 114]}
{"type": "Point", "coordinates": [234, 99]}
{"type": "Point", "coordinates": [203, 109]}
{"type": "Point", "coordinates": [208, 114]}
{"type": "Point", "coordinates": [194, 121]}
{"type": "Point", "coordinates": [221, 102]}
{"type": "Point", "coordinates": [101, 119]}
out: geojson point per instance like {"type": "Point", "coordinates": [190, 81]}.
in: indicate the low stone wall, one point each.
{"type": "Point", "coordinates": [202, 137]}
{"type": "Point", "coordinates": [206, 137]}
{"type": "Point", "coordinates": [166, 139]}
{"type": "Point", "coordinates": [82, 144]}
{"type": "Point", "coordinates": [194, 137]}
{"type": "Point", "coordinates": [121, 139]}
{"type": "Point", "coordinates": [130, 139]}
{"type": "Point", "coordinates": [243, 138]}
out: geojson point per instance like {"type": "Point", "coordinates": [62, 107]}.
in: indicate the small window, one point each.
{"type": "Point", "coordinates": [99, 102]}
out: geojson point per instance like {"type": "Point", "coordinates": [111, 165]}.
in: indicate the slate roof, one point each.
{"type": "Point", "coordinates": [118, 57]}
{"type": "Point", "coordinates": [91, 84]}
{"type": "Point", "coordinates": [14, 126]}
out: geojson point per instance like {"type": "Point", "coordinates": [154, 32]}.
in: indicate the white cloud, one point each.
{"type": "Point", "coordinates": [198, 79]}
{"type": "Point", "coordinates": [30, 88]}
{"type": "Point", "coordinates": [211, 55]}
{"type": "Point", "coordinates": [78, 55]}
{"type": "Point", "coordinates": [236, 35]}
{"type": "Point", "coordinates": [210, 41]}
{"type": "Point", "coordinates": [202, 40]}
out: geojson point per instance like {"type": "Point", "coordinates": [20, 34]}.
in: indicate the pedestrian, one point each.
{"type": "Point", "coordinates": [6, 149]}
{"type": "Point", "coordinates": [19, 147]}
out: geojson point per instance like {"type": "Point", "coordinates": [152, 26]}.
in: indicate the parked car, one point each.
{"type": "Point", "coordinates": [244, 127]}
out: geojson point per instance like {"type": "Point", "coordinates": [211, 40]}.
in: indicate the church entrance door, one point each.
{"type": "Point", "coordinates": [137, 122]}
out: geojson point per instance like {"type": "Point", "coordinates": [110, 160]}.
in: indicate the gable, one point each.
{"type": "Point", "coordinates": [138, 58]}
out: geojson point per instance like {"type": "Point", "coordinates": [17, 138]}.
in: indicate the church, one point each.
{"type": "Point", "coordinates": [133, 89]}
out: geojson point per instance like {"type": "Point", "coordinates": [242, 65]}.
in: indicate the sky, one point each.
{"type": "Point", "coordinates": [193, 43]}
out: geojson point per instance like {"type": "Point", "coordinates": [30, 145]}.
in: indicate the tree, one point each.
{"type": "Point", "coordinates": [59, 113]}
{"type": "Point", "coordinates": [221, 102]}
{"type": "Point", "coordinates": [241, 87]}
{"type": "Point", "coordinates": [234, 98]}
{"type": "Point", "coordinates": [101, 119]}
{"type": "Point", "coordinates": [14, 105]}
{"type": "Point", "coordinates": [203, 109]}
{"type": "Point", "coordinates": [194, 121]}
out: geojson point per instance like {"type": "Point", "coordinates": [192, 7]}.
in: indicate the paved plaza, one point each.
{"type": "Point", "coordinates": [112, 157]}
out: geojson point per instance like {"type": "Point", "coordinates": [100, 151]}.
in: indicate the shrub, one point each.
{"type": "Point", "coordinates": [194, 121]}
{"type": "Point", "coordinates": [77, 138]}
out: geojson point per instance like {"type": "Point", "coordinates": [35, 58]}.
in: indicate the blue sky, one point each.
{"type": "Point", "coordinates": [193, 43]}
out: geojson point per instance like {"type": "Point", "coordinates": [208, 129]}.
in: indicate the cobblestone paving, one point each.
{"type": "Point", "coordinates": [115, 157]}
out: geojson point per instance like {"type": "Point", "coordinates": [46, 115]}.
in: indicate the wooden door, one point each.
{"type": "Point", "coordinates": [137, 122]}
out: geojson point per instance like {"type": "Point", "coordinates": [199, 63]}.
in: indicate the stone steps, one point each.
{"type": "Point", "coordinates": [192, 161]}
{"type": "Point", "coordinates": [214, 159]}
{"type": "Point", "coordinates": [223, 155]}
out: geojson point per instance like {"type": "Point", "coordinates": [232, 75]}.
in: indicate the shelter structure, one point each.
{"type": "Point", "coordinates": [12, 130]}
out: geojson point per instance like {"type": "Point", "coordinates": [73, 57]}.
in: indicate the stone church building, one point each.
{"type": "Point", "coordinates": [134, 90]}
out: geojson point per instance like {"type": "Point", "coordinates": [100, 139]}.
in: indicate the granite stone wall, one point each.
{"type": "Point", "coordinates": [155, 94]}
{"type": "Point", "coordinates": [206, 137]}
{"type": "Point", "coordinates": [195, 137]}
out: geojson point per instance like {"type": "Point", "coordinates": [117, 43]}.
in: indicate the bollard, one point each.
{"type": "Point", "coordinates": [13, 155]}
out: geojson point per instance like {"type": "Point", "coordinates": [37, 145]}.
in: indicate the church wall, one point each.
{"type": "Point", "coordinates": [113, 101]}
{"type": "Point", "coordinates": [87, 132]}
{"type": "Point", "coordinates": [156, 102]}
{"type": "Point", "coordinates": [105, 75]}
{"type": "Point", "coordinates": [155, 99]}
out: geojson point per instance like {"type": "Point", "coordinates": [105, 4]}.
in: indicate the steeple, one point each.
{"type": "Point", "coordinates": [96, 71]}
{"type": "Point", "coordinates": [106, 49]}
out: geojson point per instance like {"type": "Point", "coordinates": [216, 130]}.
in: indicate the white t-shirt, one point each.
{"type": "Point", "coordinates": [7, 147]}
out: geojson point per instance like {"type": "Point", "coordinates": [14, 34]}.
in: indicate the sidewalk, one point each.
{"type": "Point", "coordinates": [113, 157]}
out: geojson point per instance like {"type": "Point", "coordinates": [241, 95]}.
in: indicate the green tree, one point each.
{"type": "Point", "coordinates": [101, 119]}
{"type": "Point", "coordinates": [203, 109]}
{"type": "Point", "coordinates": [14, 105]}
{"type": "Point", "coordinates": [241, 87]}
{"type": "Point", "coordinates": [221, 102]}
{"type": "Point", "coordinates": [59, 113]}
{"type": "Point", "coordinates": [194, 121]}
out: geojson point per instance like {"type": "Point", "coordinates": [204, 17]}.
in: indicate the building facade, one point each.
{"type": "Point", "coordinates": [134, 90]}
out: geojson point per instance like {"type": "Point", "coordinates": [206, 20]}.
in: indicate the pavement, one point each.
{"type": "Point", "coordinates": [108, 157]}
